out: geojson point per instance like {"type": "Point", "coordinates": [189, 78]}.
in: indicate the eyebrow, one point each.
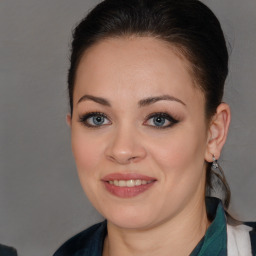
{"type": "Point", "coordinates": [141, 103]}
{"type": "Point", "coordinates": [151, 100]}
{"type": "Point", "coordinates": [99, 100]}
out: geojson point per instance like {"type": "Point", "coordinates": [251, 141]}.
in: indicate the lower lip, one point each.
{"type": "Point", "coordinates": [127, 192]}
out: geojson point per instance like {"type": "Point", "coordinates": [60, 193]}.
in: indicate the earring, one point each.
{"type": "Point", "coordinates": [217, 178]}
{"type": "Point", "coordinates": [215, 164]}
{"type": "Point", "coordinates": [217, 170]}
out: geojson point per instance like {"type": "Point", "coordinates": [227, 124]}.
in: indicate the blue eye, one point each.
{"type": "Point", "coordinates": [161, 120]}
{"type": "Point", "coordinates": [94, 120]}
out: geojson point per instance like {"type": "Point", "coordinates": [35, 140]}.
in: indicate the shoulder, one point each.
{"type": "Point", "coordinates": [87, 242]}
{"type": "Point", "coordinates": [252, 234]}
{"type": "Point", "coordinates": [242, 238]}
{"type": "Point", "coordinates": [7, 251]}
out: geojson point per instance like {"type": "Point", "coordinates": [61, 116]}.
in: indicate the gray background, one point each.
{"type": "Point", "coordinates": [41, 202]}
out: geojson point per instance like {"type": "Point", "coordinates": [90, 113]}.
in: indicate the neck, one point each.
{"type": "Point", "coordinates": [167, 238]}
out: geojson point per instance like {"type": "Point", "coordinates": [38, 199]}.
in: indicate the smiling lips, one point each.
{"type": "Point", "coordinates": [127, 185]}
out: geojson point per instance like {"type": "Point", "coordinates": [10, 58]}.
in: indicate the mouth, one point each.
{"type": "Point", "coordinates": [127, 185]}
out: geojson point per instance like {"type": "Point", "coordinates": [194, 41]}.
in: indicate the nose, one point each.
{"type": "Point", "coordinates": [125, 147]}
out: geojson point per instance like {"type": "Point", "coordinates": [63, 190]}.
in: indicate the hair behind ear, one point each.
{"type": "Point", "coordinates": [216, 183]}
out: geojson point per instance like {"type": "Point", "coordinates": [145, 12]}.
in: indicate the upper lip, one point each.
{"type": "Point", "coordinates": [127, 176]}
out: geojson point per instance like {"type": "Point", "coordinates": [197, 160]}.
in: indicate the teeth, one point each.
{"type": "Point", "coordinates": [137, 182]}
{"type": "Point", "coordinates": [122, 183]}
{"type": "Point", "coordinates": [129, 183]}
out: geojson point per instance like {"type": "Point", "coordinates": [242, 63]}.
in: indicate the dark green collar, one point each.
{"type": "Point", "coordinates": [214, 243]}
{"type": "Point", "coordinates": [90, 241]}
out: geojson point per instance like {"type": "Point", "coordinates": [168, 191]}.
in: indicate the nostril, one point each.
{"type": "Point", "coordinates": [132, 158]}
{"type": "Point", "coordinates": [124, 149]}
{"type": "Point", "coordinates": [122, 158]}
{"type": "Point", "coordinates": [111, 158]}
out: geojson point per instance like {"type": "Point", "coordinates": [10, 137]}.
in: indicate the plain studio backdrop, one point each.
{"type": "Point", "coordinates": [41, 202]}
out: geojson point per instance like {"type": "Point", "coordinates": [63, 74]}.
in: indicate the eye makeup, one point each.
{"type": "Point", "coordinates": [94, 119]}
{"type": "Point", "coordinates": [160, 120]}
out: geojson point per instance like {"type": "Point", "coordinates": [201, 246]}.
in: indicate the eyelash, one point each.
{"type": "Point", "coordinates": [84, 119]}
{"type": "Point", "coordinates": [163, 115]}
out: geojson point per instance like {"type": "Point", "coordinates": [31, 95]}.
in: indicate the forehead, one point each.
{"type": "Point", "coordinates": [143, 64]}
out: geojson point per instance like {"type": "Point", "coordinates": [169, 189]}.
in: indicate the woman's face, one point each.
{"type": "Point", "coordinates": [139, 134]}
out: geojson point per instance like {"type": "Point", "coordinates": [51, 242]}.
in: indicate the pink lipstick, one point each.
{"type": "Point", "coordinates": [127, 185]}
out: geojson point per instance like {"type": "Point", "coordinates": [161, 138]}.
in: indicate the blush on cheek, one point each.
{"type": "Point", "coordinates": [179, 154]}
{"type": "Point", "coordinates": [85, 155]}
{"type": "Point", "coordinates": [173, 153]}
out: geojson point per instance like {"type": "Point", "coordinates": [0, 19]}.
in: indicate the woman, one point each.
{"type": "Point", "coordinates": [148, 125]}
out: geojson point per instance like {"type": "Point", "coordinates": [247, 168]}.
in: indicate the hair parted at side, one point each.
{"type": "Point", "coordinates": [188, 25]}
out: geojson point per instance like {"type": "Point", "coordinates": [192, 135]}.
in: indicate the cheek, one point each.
{"type": "Point", "coordinates": [181, 159]}
{"type": "Point", "coordinates": [86, 151]}
{"type": "Point", "coordinates": [183, 150]}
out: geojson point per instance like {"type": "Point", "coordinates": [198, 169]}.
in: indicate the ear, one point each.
{"type": "Point", "coordinates": [218, 131]}
{"type": "Point", "coordinates": [69, 120]}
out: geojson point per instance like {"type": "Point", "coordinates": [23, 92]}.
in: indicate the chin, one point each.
{"type": "Point", "coordinates": [131, 218]}
{"type": "Point", "coordinates": [130, 223]}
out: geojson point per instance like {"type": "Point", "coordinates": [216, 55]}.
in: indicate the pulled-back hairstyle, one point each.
{"type": "Point", "coordinates": [188, 25]}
